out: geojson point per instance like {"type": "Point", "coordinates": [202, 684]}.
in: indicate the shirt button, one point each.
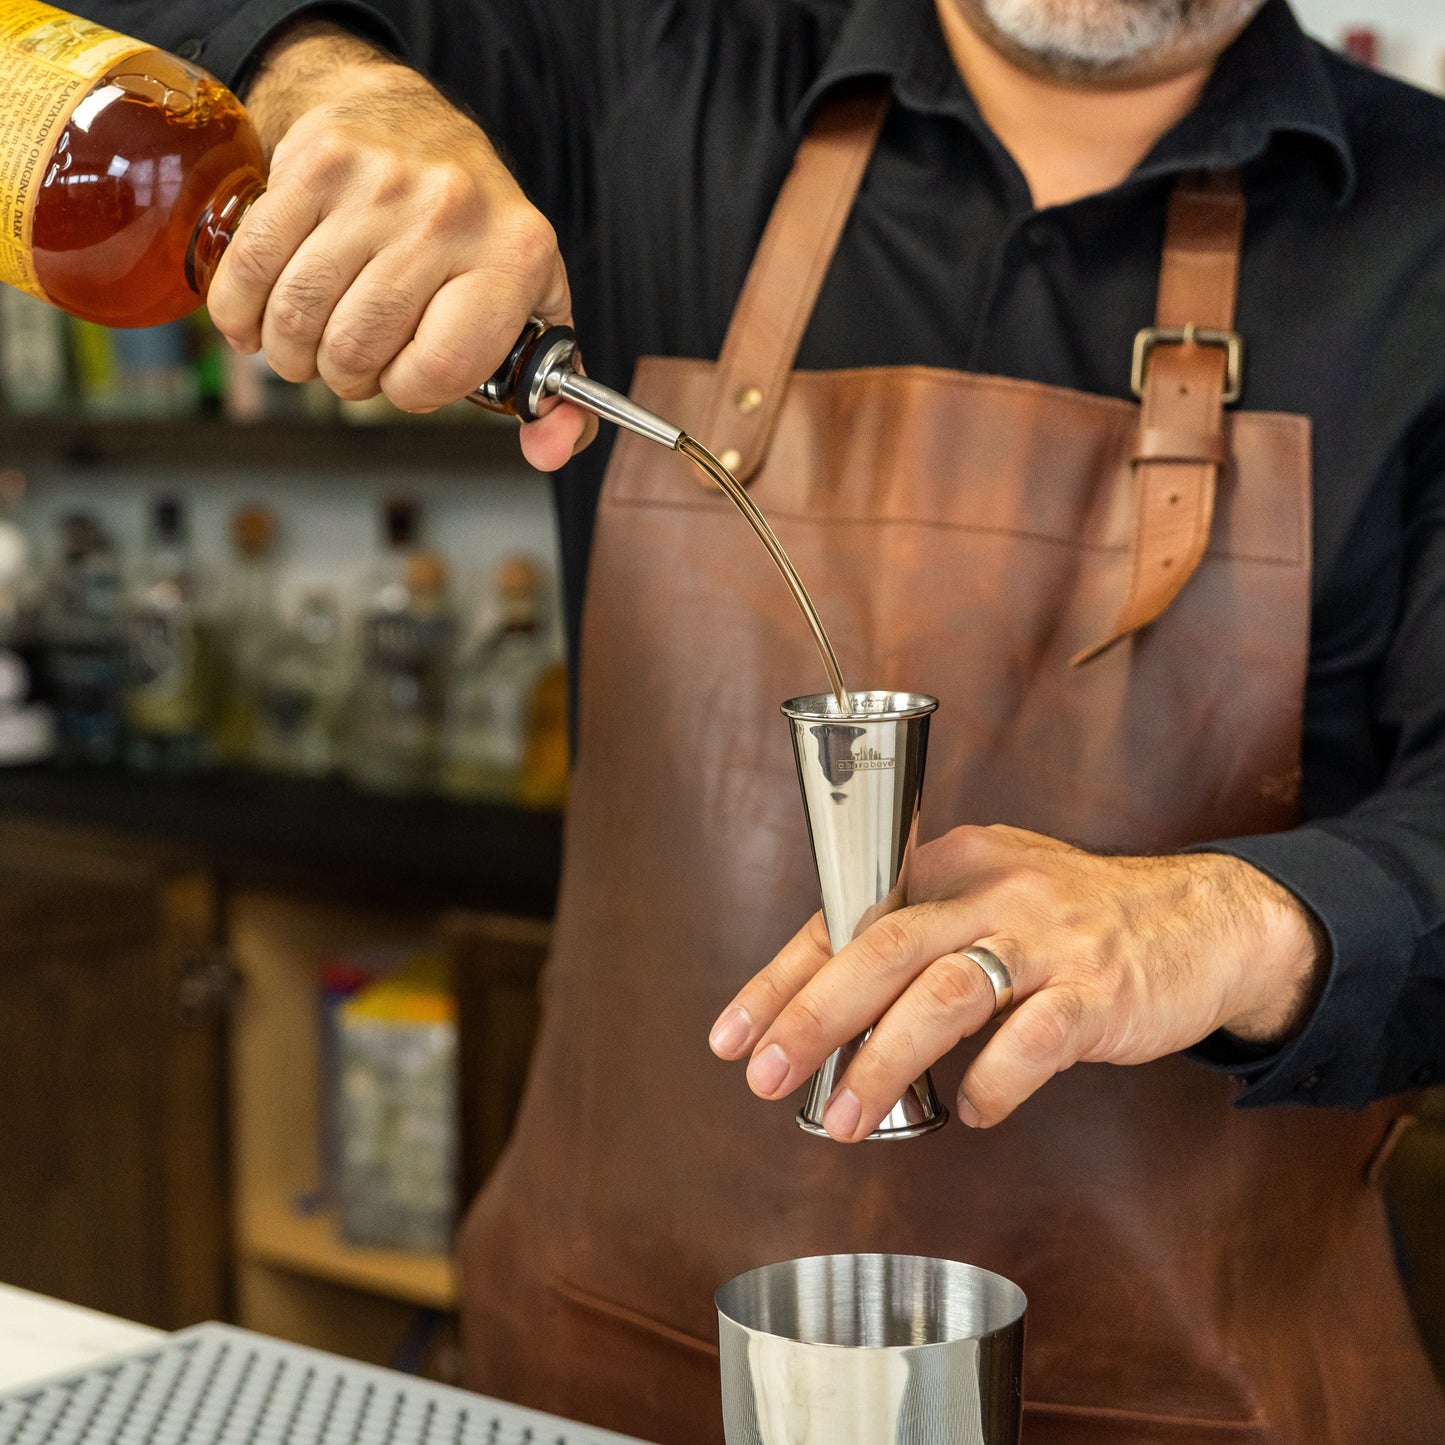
{"type": "Point", "coordinates": [1423, 1076]}
{"type": "Point", "coordinates": [1039, 237]}
{"type": "Point", "coordinates": [190, 49]}
{"type": "Point", "coordinates": [1310, 1082]}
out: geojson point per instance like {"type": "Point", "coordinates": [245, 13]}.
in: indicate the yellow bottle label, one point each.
{"type": "Point", "coordinates": [49, 61]}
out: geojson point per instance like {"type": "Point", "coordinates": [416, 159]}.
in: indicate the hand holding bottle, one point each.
{"type": "Point", "coordinates": [392, 251]}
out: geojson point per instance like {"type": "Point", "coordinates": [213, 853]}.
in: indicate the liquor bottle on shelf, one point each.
{"type": "Point", "coordinates": [406, 642]}
{"type": "Point", "coordinates": [34, 372]}
{"type": "Point", "coordinates": [1362, 43]}
{"type": "Point", "coordinates": [245, 625]}
{"type": "Point", "coordinates": [490, 698]}
{"type": "Point", "coordinates": [83, 644]}
{"type": "Point", "coordinates": [92, 118]}
{"type": "Point", "coordinates": [155, 372]}
{"type": "Point", "coordinates": [170, 662]}
{"type": "Point", "coordinates": [546, 765]}
{"type": "Point", "coordinates": [304, 678]}
{"type": "Point", "coordinates": [27, 725]}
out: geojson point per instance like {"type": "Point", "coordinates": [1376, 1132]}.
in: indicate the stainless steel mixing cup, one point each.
{"type": "Point", "coordinates": [871, 1349]}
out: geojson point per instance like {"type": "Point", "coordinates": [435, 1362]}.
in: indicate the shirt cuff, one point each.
{"type": "Point", "coordinates": [1339, 1057]}
{"type": "Point", "coordinates": [231, 50]}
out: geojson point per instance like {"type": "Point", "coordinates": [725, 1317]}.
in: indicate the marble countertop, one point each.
{"type": "Point", "coordinates": [40, 1336]}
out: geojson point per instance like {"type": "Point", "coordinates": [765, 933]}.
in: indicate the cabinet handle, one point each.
{"type": "Point", "coordinates": [206, 986]}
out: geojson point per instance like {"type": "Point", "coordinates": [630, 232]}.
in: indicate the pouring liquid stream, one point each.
{"type": "Point", "coordinates": [737, 495]}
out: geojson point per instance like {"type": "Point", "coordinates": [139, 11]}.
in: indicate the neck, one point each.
{"type": "Point", "coordinates": [1070, 137]}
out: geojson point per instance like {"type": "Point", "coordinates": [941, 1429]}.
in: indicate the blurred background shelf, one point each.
{"type": "Point", "coordinates": [273, 1233]}
{"type": "Point", "coordinates": [470, 854]}
{"type": "Point", "coordinates": [476, 854]}
{"type": "Point", "coordinates": [462, 438]}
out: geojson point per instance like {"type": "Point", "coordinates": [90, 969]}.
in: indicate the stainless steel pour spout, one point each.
{"type": "Point", "coordinates": [861, 773]}
{"type": "Point", "coordinates": [542, 370]}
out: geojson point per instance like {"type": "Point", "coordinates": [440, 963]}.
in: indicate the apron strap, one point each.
{"type": "Point", "coordinates": [1186, 368]}
{"type": "Point", "coordinates": [785, 277]}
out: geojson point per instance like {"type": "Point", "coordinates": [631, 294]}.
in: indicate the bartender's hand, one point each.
{"type": "Point", "coordinates": [392, 250]}
{"type": "Point", "coordinates": [1114, 960]}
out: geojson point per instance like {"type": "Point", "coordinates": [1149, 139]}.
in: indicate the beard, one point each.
{"type": "Point", "coordinates": [1103, 37]}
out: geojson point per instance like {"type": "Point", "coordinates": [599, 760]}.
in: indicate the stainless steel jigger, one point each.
{"type": "Point", "coordinates": [861, 773]}
{"type": "Point", "coordinates": [541, 370]}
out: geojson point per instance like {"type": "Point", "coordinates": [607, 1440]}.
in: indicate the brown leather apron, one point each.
{"type": "Point", "coordinates": [1195, 1272]}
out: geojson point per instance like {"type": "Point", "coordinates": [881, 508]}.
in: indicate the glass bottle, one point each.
{"type": "Point", "coordinates": [170, 671]}
{"type": "Point", "coordinates": [83, 644]}
{"type": "Point", "coordinates": [406, 643]}
{"type": "Point", "coordinates": [27, 725]}
{"type": "Point", "coordinates": [547, 763]}
{"type": "Point", "coordinates": [125, 169]}
{"type": "Point", "coordinates": [303, 681]}
{"type": "Point", "coordinates": [245, 625]}
{"type": "Point", "coordinates": [492, 691]}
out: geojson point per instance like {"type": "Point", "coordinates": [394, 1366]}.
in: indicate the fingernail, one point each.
{"type": "Point", "coordinates": [730, 1032]}
{"type": "Point", "coordinates": [969, 1115]}
{"type": "Point", "coordinates": [768, 1070]}
{"type": "Point", "coordinates": [841, 1116]}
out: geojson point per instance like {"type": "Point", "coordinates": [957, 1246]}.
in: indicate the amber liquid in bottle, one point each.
{"type": "Point", "coordinates": [142, 192]}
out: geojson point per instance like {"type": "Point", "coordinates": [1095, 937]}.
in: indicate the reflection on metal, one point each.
{"type": "Point", "coordinates": [861, 773]}
{"type": "Point", "coordinates": [871, 1349]}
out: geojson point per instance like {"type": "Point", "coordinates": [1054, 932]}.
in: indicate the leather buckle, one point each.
{"type": "Point", "coordinates": [1227, 341]}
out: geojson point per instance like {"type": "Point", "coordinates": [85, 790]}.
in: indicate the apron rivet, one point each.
{"type": "Point", "coordinates": [732, 459]}
{"type": "Point", "coordinates": [749, 399]}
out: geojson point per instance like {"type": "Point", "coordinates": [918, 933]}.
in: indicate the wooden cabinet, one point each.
{"type": "Point", "coordinates": [112, 1076]}
{"type": "Point", "coordinates": [159, 1089]}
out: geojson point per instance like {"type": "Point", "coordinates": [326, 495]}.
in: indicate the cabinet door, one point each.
{"type": "Point", "coordinates": [112, 1185]}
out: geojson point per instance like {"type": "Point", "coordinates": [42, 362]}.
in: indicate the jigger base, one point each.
{"type": "Point", "coordinates": [907, 1131]}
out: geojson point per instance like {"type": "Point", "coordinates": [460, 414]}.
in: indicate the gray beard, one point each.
{"type": "Point", "coordinates": [1101, 36]}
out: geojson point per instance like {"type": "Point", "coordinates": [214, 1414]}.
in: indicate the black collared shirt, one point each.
{"type": "Point", "coordinates": [655, 134]}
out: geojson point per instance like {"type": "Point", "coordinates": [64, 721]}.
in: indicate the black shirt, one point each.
{"type": "Point", "coordinates": [655, 134]}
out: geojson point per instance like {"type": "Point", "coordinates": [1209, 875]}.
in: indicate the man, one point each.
{"type": "Point", "coordinates": [927, 381]}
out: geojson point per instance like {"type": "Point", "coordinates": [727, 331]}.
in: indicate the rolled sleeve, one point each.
{"type": "Point", "coordinates": [1340, 1058]}
{"type": "Point", "coordinates": [228, 39]}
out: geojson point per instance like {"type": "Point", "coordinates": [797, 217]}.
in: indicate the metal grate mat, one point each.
{"type": "Point", "coordinates": [215, 1385]}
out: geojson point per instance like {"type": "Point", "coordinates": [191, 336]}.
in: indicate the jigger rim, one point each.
{"type": "Point", "coordinates": [996, 1295]}
{"type": "Point", "coordinates": [879, 705]}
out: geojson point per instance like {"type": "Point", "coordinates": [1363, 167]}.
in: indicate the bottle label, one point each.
{"type": "Point", "coordinates": [164, 692]}
{"type": "Point", "coordinates": [49, 61]}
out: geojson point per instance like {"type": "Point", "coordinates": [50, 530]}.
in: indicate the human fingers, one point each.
{"type": "Point", "coordinates": [1048, 1033]}
{"type": "Point", "coordinates": [855, 989]}
{"type": "Point", "coordinates": [769, 991]}
{"type": "Point", "coordinates": [372, 322]}
{"type": "Point", "coordinates": [268, 237]}
{"type": "Point", "coordinates": [301, 304]}
{"type": "Point", "coordinates": [950, 1000]}
{"type": "Point", "coordinates": [471, 323]}
{"type": "Point", "coordinates": [556, 438]}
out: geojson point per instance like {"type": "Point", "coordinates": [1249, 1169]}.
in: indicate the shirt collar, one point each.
{"type": "Point", "coordinates": [1272, 81]}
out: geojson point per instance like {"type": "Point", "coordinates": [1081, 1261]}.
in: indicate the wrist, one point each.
{"type": "Point", "coordinates": [1284, 950]}
{"type": "Point", "coordinates": [310, 63]}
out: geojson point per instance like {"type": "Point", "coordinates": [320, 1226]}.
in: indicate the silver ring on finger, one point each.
{"type": "Point", "coordinates": [996, 971]}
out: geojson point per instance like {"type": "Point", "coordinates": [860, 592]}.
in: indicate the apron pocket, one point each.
{"type": "Point", "coordinates": [1047, 1423]}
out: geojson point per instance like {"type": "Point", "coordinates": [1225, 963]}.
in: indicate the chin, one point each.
{"type": "Point", "coordinates": [1109, 38]}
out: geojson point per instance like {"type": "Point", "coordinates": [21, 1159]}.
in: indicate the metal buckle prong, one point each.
{"type": "Point", "coordinates": [1229, 342]}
